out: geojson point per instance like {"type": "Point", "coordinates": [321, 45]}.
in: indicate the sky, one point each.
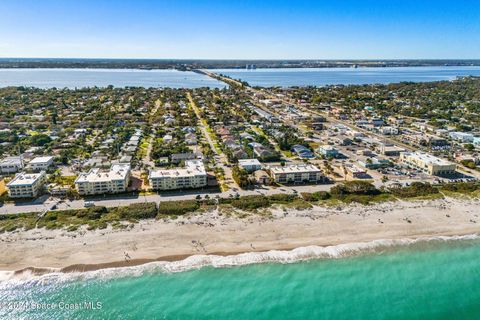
{"type": "Point", "coordinates": [235, 29]}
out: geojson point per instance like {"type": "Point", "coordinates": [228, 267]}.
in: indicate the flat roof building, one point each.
{"type": "Point", "coordinates": [96, 181]}
{"type": "Point", "coordinates": [193, 175]}
{"type": "Point", "coordinates": [355, 172]}
{"type": "Point", "coordinates": [427, 163]}
{"type": "Point", "coordinates": [250, 165]}
{"type": "Point", "coordinates": [296, 173]}
{"type": "Point", "coordinates": [26, 185]}
{"type": "Point", "coordinates": [391, 150]}
{"type": "Point", "coordinates": [41, 163]}
{"type": "Point", "coordinates": [11, 164]}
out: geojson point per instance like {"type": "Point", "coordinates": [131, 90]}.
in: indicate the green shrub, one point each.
{"type": "Point", "coordinates": [81, 213]}
{"type": "Point", "coordinates": [177, 207]}
{"type": "Point", "coordinates": [463, 187]}
{"type": "Point", "coordinates": [93, 215]}
{"type": "Point", "coordinates": [251, 202]}
{"type": "Point", "coordinates": [9, 227]}
{"type": "Point", "coordinates": [225, 200]}
{"type": "Point", "coordinates": [51, 225]}
{"type": "Point", "coordinates": [147, 210]}
{"type": "Point", "coordinates": [282, 197]}
{"type": "Point", "coordinates": [415, 189]}
{"type": "Point", "coordinates": [51, 216]}
{"type": "Point", "coordinates": [315, 196]}
{"type": "Point", "coordinates": [354, 187]}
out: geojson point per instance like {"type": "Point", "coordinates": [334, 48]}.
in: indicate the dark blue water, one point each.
{"type": "Point", "coordinates": [331, 76]}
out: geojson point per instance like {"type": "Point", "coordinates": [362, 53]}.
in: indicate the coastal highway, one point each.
{"type": "Point", "coordinates": [43, 204]}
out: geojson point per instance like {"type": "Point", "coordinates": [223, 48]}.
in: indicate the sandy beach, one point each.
{"type": "Point", "coordinates": [219, 233]}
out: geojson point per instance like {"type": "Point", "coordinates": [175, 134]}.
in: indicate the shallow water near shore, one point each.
{"type": "Point", "coordinates": [435, 279]}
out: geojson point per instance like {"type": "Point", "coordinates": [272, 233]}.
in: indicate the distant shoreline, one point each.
{"type": "Point", "coordinates": [191, 64]}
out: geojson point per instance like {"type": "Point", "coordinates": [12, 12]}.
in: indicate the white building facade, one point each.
{"type": "Point", "coordinates": [96, 181]}
{"type": "Point", "coordinates": [250, 165]}
{"type": "Point", "coordinates": [427, 163]}
{"type": "Point", "coordinates": [296, 173]}
{"type": "Point", "coordinates": [11, 165]}
{"type": "Point", "coordinates": [193, 175]}
{"type": "Point", "coordinates": [41, 163]}
{"type": "Point", "coordinates": [27, 185]}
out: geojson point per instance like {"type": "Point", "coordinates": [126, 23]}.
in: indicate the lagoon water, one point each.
{"type": "Point", "coordinates": [79, 78]}
{"type": "Point", "coordinates": [426, 280]}
{"type": "Point", "coordinates": [330, 76]}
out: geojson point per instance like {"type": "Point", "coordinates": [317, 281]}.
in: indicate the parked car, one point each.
{"type": "Point", "coordinates": [89, 204]}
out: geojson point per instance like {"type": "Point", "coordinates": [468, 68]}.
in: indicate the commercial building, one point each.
{"type": "Point", "coordinates": [26, 185]}
{"type": "Point", "coordinates": [96, 181]}
{"type": "Point", "coordinates": [427, 163]}
{"type": "Point", "coordinates": [41, 163]}
{"type": "Point", "coordinates": [250, 165]}
{"type": "Point", "coordinates": [390, 150]}
{"type": "Point", "coordinates": [11, 165]}
{"type": "Point", "coordinates": [193, 175]}
{"type": "Point", "coordinates": [296, 173]}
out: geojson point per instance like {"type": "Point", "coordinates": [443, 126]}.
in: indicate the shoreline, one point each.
{"type": "Point", "coordinates": [214, 234]}
{"type": "Point", "coordinates": [382, 243]}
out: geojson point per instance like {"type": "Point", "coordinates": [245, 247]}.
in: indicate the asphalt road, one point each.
{"type": "Point", "coordinates": [44, 203]}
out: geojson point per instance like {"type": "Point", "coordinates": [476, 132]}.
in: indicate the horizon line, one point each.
{"type": "Point", "coordinates": [252, 59]}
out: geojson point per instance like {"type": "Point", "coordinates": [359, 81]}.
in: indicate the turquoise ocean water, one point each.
{"type": "Point", "coordinates": [426, 280]}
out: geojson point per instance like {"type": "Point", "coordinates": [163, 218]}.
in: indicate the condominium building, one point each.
{"type": "Point", "coordinates": [41, 163]}
{"type": "Point", "coordinates": [427, 163]}
{"type": "Point", "coordinates": [11, 164]}
{"type": "Point", "coordinates": [26, 185]}
{"type": "Point", "coordinates": [296, 173]}
{"type": "Point", "coordinates": [96, 181]}
{"type": "Point", "coordinates": [193, 175]}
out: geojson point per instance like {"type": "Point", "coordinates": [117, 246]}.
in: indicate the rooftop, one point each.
{"type": "Point", "coordinates": [327, 147]}
{"type": "Point", "coordinates": [41, 159]}
{"type": "Point", "coordinates": [25, 179]}
{"type": "Point", "coordinates": [192, 168]}
{"type": "Point", "coordinates": [249, 162]}
{"type": "Point", "coordinates": [11, 160]}
{"type": "Point", "coordinates": [294, 168]}
{"type": "Point", "coordinates": [428, 158]}
{"type": "Point", "coordinates": [116, 172]}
